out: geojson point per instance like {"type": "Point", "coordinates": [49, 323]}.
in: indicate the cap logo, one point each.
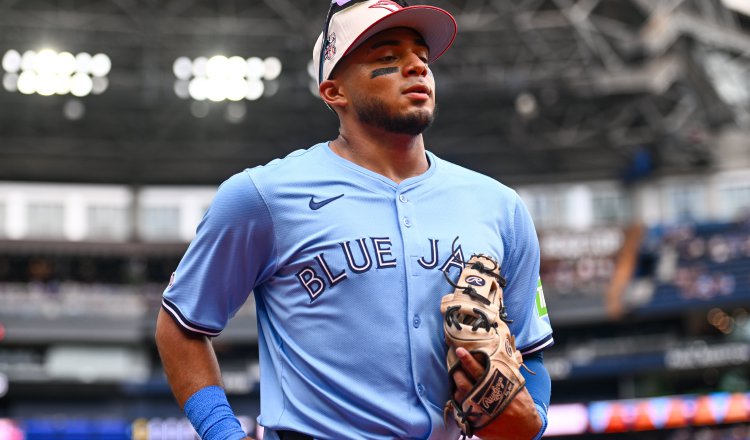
{"type": "Point", "coordinates": [387, 4]}
{"type": "Point", "coordinates": [330, 50]}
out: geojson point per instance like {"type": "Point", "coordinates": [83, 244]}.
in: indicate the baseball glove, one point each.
{"type": "Point", "coordinates": [475, 318]}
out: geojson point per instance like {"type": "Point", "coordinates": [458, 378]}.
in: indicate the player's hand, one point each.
{"type": "Point", "coordinates": [467, 375]}
{"type": "Point", "coordinates": [518, 421]}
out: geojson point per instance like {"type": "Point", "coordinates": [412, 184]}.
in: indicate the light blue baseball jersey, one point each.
{"type": "Point", "coordinates": [345, 265]}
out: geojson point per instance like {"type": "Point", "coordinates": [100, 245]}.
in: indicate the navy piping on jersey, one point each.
{"type": "Point", "coordinates": [539, 345]}
{"type": "Point", "coordinates": [185, 323]}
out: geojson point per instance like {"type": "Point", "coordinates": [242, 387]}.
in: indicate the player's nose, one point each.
{"type": "Point", "coordinates": [415, 65]}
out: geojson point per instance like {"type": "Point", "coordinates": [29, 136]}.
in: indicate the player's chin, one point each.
{"type": "Point", "coordinates": [421, 108]}
{"type": "Point", "coordinates": [427, 115]}
{"type": "Point", "coordinates": [418, 121]}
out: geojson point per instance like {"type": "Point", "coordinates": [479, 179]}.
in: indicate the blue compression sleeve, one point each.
{"type": "Point", "coordinates": [212, 417]}
{"type": "Point", "coordinates": [539, 386]}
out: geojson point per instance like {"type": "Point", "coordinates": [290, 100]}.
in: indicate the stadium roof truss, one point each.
{"type": "Point", "coordinates": [533, 89]}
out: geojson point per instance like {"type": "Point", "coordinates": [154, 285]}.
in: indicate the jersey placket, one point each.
{"type": "Point", "coordinates": [408, 226]}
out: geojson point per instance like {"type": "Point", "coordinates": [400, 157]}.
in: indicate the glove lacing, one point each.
{"type": "Point", "coordinates": [473, 294]}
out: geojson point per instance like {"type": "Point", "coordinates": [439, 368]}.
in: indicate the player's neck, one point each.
{"type": "Point", "coordinates": [397, 157]}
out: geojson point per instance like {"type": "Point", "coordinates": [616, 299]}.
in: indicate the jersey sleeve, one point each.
{"type": "Point", "coordinates": [232, 252]}
{"type": "Point", "coordinates": [523, 295]}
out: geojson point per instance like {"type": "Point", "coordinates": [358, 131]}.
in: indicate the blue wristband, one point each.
{"type": "Point", "coordinates": [212, 417]}
{"type": "Point", "coordinates": [542, 415]}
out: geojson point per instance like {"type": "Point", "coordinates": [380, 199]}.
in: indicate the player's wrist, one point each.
{"type": "Point", "coordinates": [210, 414]}
{"type": "Point", "coordinates": [520, 420]}
{"type": "Point", "coordinates": [542, 411]}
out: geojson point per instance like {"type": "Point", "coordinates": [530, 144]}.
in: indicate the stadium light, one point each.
{"type": "Point", "coordinates": [66, 63]}
{"type": "Point", "coordinates": [10, 82]}
{"type": "Point", "coordinates": [182, 68]}
{"type": "Point", "coordinates": [74, 110]}
{"type": "Point", "coordinates": [99, 85]}
{"type": "Point", "coordinates": [27, 82]}
{"type": "Point", "coordinates": [100, 65]}
{"type": "Point", "coordinates": [12, 61]}
{"type": "Point", "coordinates": [226, 78]}
{"type": "Point", "coordinates": [81, 85]}
{"type": "Point", "coordinates": [235, 112]}
{"type": "Point", "coordinates": [45, 61]}
{"type": "Point", "coordinates": [27, 60]}
{"type": "Point", "coordinates": [272, 67]}
{"type": "Point", "coordinates": [47, 72]}
{"type": "Point", "coordinates": [255, 68]}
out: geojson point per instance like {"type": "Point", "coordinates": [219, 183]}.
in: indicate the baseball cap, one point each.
{"type": "Point", "coordinates": [353, 25]}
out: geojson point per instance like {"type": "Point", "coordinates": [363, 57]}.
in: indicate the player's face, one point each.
{"type": "Point", "coordinates": [390, 85]}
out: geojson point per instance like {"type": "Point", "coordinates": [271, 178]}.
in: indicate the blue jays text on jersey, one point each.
{"type": "Point", "coordinates": [346, 269]}
{"type": "Point", "coordinates": [372, 252]}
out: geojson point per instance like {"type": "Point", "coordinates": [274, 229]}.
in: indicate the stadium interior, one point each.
{"type": "Point", "coordinates": [623, 124]}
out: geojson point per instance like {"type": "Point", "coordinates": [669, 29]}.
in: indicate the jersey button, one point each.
{"type": "Point", "coordinates": [417, 321]}
{"type": "Point", "coordinates": [403, 198]}
{"type": "Point", "coordinates": [420, 389]}
{"type": "Point", "coordinates": [407, 222]}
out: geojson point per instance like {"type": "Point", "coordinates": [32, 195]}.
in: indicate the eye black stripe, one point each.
{"type": "Point", "coordinates": [383, 71]}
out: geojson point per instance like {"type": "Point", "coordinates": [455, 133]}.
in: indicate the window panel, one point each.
{"type": "Point", "coordinates": [107, 223]}
{"type": "Point", "coordinates": [160, 223]}
{"type": "Point", "coordinates": [45, 220]}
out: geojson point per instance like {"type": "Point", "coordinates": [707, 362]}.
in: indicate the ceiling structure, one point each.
{"type": "Point", "coordinates": [533, 90]}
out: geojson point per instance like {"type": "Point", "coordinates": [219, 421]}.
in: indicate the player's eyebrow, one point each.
{"type": "Point", "coordinates": [381, 43]}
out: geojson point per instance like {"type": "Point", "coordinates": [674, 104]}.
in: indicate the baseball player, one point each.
{"type": "Point", "coordinates": [346, 246]}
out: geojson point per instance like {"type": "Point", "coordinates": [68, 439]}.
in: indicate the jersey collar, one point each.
{"type": "Point", "coordinates": [371, 175]}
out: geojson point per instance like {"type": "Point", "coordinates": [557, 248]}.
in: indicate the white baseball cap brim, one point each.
{"type": "Point", "coordinates": [352, 26]}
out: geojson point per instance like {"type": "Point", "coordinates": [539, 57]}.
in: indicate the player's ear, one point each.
{"type": "Point", "coordinates": [332, 93]}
